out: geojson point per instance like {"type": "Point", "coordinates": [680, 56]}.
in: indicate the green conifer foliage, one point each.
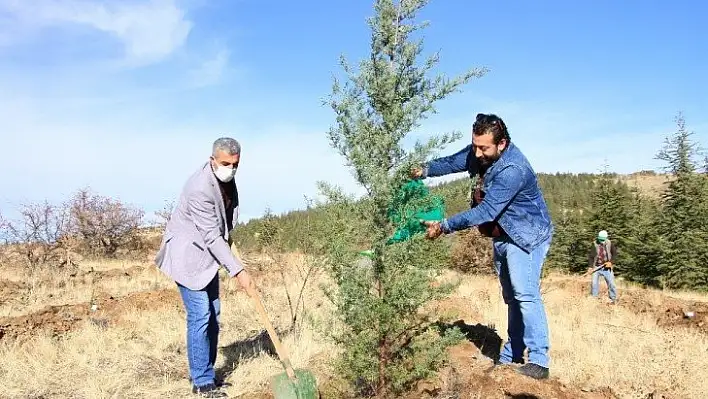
{"type": "Point", "coordinates": [684, 216]}
{"type": "Point", "coordinates": [387, 337]}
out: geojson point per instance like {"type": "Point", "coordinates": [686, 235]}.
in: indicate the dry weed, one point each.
{"type": "Point", "coordinates": [593, 345]}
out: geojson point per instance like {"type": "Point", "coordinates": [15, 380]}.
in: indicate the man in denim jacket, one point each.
{"type": "Point", "coordinates": [508, 206]}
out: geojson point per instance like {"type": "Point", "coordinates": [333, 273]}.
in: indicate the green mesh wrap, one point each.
{"type": "Point", "coordinates": [411, 204]}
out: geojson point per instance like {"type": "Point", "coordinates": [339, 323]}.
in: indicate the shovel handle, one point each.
{"type": "Point", "coordinates": [279, 348]}
{"type": "Point", "coordinates": [589, 272]}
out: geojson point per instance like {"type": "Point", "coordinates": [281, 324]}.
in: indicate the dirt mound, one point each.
{"type": "Point", "coordinates": [667, 311]}
{"type": "Point", "coordinates": [671, 312]}
{"type": "Point", "coordinates": [104, 311]}
{"type": "Point", "coordinates": [114, 273]}
{"type": "Point", "coordinates": [472, 375]}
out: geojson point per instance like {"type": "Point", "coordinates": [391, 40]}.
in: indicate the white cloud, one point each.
{"type": "Point", "coordinates": [149, 31]}
{"type": "Point", "coordinates": [211, 70]}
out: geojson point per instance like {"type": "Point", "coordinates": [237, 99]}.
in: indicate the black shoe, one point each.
{"type": "Point", "coordinates": [220, 382]}
{"type": "Point", "coordinates": [208, 391]}
{"type": "Point", "coordinates": [533, 371]}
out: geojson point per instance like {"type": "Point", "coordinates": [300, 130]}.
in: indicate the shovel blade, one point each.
{"type": "Point", "coordinates": [304, 388]}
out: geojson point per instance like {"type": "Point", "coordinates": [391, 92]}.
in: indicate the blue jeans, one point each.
{"type": "Point", "coordinates": [609, 277]}
{"type": "Point", "coordinates": [520, 277]}
{"type": "Point", "coordinates": [203, 310]}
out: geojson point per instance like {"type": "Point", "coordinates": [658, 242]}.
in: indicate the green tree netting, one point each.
{"type": "Point", "coordinates": [411, 204]}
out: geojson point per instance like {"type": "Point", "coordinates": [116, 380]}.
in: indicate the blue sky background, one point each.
{"type": "Point", "coordinates": [127, 96]}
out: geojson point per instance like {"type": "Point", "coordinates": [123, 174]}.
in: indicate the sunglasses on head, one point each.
{"type": "Point", "coordinates": [489, 119]}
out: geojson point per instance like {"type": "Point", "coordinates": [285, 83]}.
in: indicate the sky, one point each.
{"type": "Point", "coordinates": [126, 97]}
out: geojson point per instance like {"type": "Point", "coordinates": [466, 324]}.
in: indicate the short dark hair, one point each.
{"type": "Point", "coordinates": [490, 123]}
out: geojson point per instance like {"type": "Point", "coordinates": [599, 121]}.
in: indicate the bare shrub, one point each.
{"type": "Point", "coordinates": [164, 214]}
{"type": "Point", "coordinates": [37, 233]}
{"type": "Point", "coordinates": [271, 245]}
{"type": "Point", "coordinates": [104, 224]}
{"type": "Point", "coordinates": [472, 253]}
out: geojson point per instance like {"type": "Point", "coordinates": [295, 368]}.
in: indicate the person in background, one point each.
{"type": "Point", "coordinates": [602, 256]}
{"type": "Point", "coordinates": [195, 243]}
{"type": "Point", "coordinates": [507, 205]}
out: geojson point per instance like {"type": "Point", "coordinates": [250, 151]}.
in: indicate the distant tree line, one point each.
{"type": "Point", "coordinates": [662, 237]}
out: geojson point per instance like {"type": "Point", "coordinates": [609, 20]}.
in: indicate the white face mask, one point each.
{"type": "Point", "coordinates": [225, 174]}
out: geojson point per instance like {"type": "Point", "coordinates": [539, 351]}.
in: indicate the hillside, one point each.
{"type": "Point", "coordinates": [572, 199]}
{"type": "Point", "coordinates": [113, 325]}
{"type": "Point", "coordinates": [115, 329]}
{"type": "Point", "coordinates": [573, 187]}
{"type": "Point", "coordinates": [648, 183]}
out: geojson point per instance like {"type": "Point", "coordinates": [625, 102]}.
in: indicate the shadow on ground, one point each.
{"type": "Point", "coordinates": [483, 337]}
{"type": "Point", "coordinates": [521, 396]}
{"type": "Point", "coordinates": [246, 349]}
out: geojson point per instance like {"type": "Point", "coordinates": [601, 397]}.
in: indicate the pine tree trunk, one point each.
{"type": "Point", "coordinates": [382, 343]}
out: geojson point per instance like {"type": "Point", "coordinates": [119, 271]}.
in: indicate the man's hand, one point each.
{"type": "Point", "coordinates": [609, 265]}
{"type": "Point", "coordinates": [416, 172]}
{"type": "Point", "coordinates": [434, 229]}
{"type": "Point", "coordinates": [244, 279]}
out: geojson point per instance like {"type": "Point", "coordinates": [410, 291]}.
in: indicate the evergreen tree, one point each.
{"type": "Point", "coordinates": [570, 240]}
{"type": "Point", "coordinates": [684, 216]}
{"type": "Point", "coordinates": [680, 151]}
{"type": "Point", "coordinates": [642, 249]}
{"type": "Point", "coordinates": [612, 210]}
{"type": "Point", "coordinates": [387, 337]}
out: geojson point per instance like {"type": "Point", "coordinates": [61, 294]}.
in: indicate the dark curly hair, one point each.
{"type": "Point", "coordinates": [490, 123]}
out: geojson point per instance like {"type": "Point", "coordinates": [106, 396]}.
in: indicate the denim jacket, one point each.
{"type": "Point", "coordinates": [513, 197]}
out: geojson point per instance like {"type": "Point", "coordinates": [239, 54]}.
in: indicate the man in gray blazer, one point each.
{"type": "Point", "coordinates": [195, 243]}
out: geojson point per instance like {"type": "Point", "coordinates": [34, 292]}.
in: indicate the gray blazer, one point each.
{"type": "Point", "coordinates": [196, 238]}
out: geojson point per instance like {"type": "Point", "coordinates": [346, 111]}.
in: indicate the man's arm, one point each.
{"type": "Point", "coordinates": [506, 185]}
{"type": "Point", "coordinates": [613, 253]}
{"type": "Point", "coordinates": [203, 211]}
{"type": "Point", "coordinates": [454, 163]}
{"type": "Point", "coordinates": [591, 257]}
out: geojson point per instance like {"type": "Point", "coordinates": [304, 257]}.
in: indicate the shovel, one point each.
{"type": "Point", "coordinates": [293, 384]}
{"type": "Point", "coordinates": [589, 272]}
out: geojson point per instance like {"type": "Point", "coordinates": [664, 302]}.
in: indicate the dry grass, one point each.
{"type": "Point", "coordinates": [43, 287]}
{"type": "Point", "coordinates": [146, 356]}
{"type": "Point", "coordinates": [650, 185]}
{"type": "Point", "coordinates": [592, 345]}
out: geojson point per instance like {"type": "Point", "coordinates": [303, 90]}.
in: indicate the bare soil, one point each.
{"type": "Point", "coordinates": [114, 273]}
{"type": "Point", "coordinates": [108, 311]}
{"type": "Point", "coordinates": [470, 374]}
{"type": "Point", "coordinates": [669, 313]}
